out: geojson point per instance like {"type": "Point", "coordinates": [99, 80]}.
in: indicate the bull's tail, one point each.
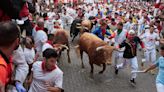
{"type": "Point", "coordinates": [77, 49]}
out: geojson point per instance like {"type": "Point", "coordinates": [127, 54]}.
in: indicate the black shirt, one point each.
{"type": "Point", "coordinates": [130, 47]}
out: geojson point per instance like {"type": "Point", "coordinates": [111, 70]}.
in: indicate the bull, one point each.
{"type": "Point", "coordinates": [81, 26]}
{"type": "Point", "coordinates": [61, 42]}
{"type": "Point", "coordinates": [99, 52]}
{"type": "Point", "coordinates": [74, 30]}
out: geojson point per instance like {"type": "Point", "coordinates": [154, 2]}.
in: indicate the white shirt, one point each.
{"type": "Point", "coordinates": [67, 18]}
{"type": "Point", "coordinates": [93, 12]}
{"type": "Point", "coordinates": [29, 55]}
{"type": "Point", "coordinates": [118, 39]}
{"type": "Point", "coordinates": [46, 46]}
{"type": "Point", "coordinates": [51, 14]}
{"type": "Point", "coordinates": [72, 12]}
{"type": "Point", "coordinates": [22, 68]}
{"type": "Point", "coordinates": [55, 78]}
{"type": "Point", "coordinates": [128, 25]}
{"type": "Point", "coordinates": [86, 15]}
{"type": "Point", "coordinates": [149, 40]}
{"type": "Point", "coordinates": [50, 25]}
{"type": "Point", "coordinates": [40, 38]}
{"type": "Point", "coordinates": [127, 16]}
{"type": "Point", "coordinates": [46, 23]}
{"type": "Point", "coordinates": [158, 1]}
{"type": "Point", "coordinates": [37, 7]}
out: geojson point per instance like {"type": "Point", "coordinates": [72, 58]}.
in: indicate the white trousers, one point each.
{"type": "Point", "coordinates": [133, 64]}
{"type": "Point", "coordinates": [118, 57]}
{"type": "Point", "coordinates": [160, 87]}
{"type": "Point", "coordinates": [150, 56]}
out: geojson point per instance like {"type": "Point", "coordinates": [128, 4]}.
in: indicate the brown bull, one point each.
{"type": "Point", "coordinates": [98, 51]}
{"type": "Point", "coordinates": [61, 42]}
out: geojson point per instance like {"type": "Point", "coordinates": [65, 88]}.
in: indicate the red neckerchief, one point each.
{"type": "Point", "coordinates": [38, 28]}
{"type": "Point", "coordinates": [159, 27]}
{"type": "Point", "coordinates": [103, 32]}
{"type": "Point", "coordinates": [49, 42]}
{"type": "Point", "coordinates": [113, 23]}
{"type": "Point", "coordinates": [56, 27]}
{"type": "Point", "coordinates": [46, 18]}
{"type": "Point", "coordinates": [44, 67]}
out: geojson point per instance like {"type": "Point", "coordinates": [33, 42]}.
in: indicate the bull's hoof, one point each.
{"type": "Point", "coordinates": [101, 72]}
{"type": "Point", "coordinates": [69, 61]}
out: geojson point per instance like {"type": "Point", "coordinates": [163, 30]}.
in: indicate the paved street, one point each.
{"type": "Point", "coordinates": [77, 79]}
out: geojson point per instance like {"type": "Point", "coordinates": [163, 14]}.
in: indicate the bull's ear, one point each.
{"type": "Point", "coordinates": [99, 48]}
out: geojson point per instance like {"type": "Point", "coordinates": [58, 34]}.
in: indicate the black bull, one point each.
{"type": "Point", "coordinates": [75, 30]}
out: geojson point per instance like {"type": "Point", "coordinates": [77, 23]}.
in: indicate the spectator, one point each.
{"type": "Point", "coordinates": [10, 32]}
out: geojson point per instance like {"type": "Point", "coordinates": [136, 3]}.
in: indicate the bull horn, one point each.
{"type": "Point", "coordinates": [99, 48]}
{"type": "Point", "coordinates": [65, 46]}
{"type": "Point", "coordinates": [86, 28]}
{"type": "Point", "coordinates": [78, 24]}
{"type": "Point", "coordinates": [79, 27]}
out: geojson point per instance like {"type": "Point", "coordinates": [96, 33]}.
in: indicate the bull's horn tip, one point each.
{"type": "Point", "coordinates": [76, 46]}
{"type": "Point", "coordinates": [99, 48]}
{"type": "Point", "coordinates": [65, 46]}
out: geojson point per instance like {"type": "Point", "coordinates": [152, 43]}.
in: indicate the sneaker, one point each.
{"type": "Point", "coordinates": [132, 81]}
{"type": "Point", "coordinates": [116, 70]}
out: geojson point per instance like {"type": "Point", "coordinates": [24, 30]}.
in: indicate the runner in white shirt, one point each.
{"type": "Point", "coordinates": [128, 25]}
{"type": "Point", "coordinates": [119, 37]}
{"type": "Point", "coordinates": [40, 37]}
{"type": "Point", "coordinates": [150, 39]}
{"type": "Point", "coordinates": [47, 77]}
{"type": "Point", "coordinates": [66, 19]}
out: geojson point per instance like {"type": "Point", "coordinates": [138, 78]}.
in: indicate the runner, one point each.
{"type": "Point", "coordinates": [46, 74]}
